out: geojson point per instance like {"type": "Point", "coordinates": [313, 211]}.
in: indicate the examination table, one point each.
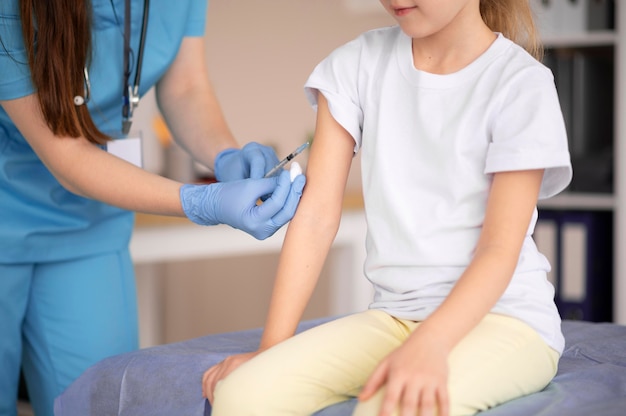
{"type": "Point", "coordinates": [165, 380]}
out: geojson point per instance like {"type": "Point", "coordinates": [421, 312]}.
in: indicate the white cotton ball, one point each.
{"type": "Point", "coordinates": [295, 170]}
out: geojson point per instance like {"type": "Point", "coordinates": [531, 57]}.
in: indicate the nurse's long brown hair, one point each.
{"type": "Point", "coordinates": [57, 35]}
{"type": "Point", "coordinates": [514, 19]}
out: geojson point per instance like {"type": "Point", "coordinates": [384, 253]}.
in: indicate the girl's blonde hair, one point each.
{"type": "Point", "coordinates": [514, 19]}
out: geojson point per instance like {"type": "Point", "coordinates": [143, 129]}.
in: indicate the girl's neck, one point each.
{"type": "Point", "coordinates": [451, 50]}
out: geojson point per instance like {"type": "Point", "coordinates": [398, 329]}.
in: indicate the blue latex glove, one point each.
{"type": "Point", "coordinates": [252, 161]}
{"type": "Point", "coordinates": [235, 203]}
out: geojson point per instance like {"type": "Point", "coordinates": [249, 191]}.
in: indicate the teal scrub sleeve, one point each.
{"type": "Point", "coordinates": [196, 22]}
{"type": "Point", "coordinates": [15, 81]}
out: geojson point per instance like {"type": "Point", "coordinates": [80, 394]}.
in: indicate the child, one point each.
{"type": "Point", "coordinates": [461, 132]}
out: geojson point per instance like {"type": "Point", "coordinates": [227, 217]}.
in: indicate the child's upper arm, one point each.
{"type": "Point", "coordinates": [330, 158]}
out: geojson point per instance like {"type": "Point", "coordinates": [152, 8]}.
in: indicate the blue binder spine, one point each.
{"type": "Point", "coordinates": [584, 289]}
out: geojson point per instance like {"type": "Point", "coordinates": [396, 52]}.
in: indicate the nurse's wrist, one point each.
{"type": "Point", "coordinates": [196, 203]}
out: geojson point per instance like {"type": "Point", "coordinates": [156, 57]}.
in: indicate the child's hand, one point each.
{"type": "Point", "coordinates": [219, 371]}
{"type": "Point", "coordinates": [415, 377]}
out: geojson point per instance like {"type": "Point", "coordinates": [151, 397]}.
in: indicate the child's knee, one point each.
{"type": "Point", "coordinates": [240, 395]}
{"type": "Point", "coordinates": [230, 398]}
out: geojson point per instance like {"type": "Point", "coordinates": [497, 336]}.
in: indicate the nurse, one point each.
{"type": "Point", "coordinates": [71, 74]}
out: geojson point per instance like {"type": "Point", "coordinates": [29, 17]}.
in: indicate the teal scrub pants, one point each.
{"type": "Point", "coordinates": [59, 318]}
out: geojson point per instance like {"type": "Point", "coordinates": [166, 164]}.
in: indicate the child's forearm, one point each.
{"type": "Point", "coordinates": [471, 299]}
{"type": "Point", "coordinates": [305, 249]}
{"type": "Point", "coordinates": [313, 228]}
{"type": "Point", "coordinates": [510, 208]}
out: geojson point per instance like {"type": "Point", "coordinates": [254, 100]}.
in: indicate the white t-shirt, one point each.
{"type": "Point", "coordinates": [430, 145]}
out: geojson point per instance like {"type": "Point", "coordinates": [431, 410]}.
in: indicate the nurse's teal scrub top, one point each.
{"type": "Point", "coordinates": [39, 219]}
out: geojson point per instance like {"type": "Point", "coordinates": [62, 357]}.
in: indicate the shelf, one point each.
{"type": "Point", "coordinates": [581, 40]}
{"type": "Point", "coordinates": [612, 43]}
{"type": "Point", "coordinates": [579, 201]}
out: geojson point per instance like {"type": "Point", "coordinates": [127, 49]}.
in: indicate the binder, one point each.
{"type": "Point", "coordinates": [592, 99]}
{"type": "Point", "coordinates": [573, 16]}
{"type": "Point", "coordinates": [600, 15]}
{"type": "Point", "coordinates": [564, 80]}
{"type": "Point", "coordinates": [546, 239]}
{"type": "Point", "coordinates": [557, 17]}
{"type": "Point", "coordinates": [581, 244]}
{"type": "Point", "coordinates": [547, 16]}
{"type": "Point", "coordinates": [584, 81]}
{"type": "Point", "coordinates": [574, 251]}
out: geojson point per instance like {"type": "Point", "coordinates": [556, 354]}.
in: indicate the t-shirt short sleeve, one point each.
{"type": "Point", "coordinates": [196, 23]}
{"type": "Point", "coordinates": [15, 80]}
{"type": "Point", "coordinates": [529, 131]}
{"type": "Point", "coordinates": [336, 77]}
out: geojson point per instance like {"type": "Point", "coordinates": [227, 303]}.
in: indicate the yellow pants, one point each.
{"type": "Point", "coordinates": [501, 359]}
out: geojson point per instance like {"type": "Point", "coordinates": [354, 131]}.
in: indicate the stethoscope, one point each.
{"type": "Point", "coordinates": [130, 93]}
